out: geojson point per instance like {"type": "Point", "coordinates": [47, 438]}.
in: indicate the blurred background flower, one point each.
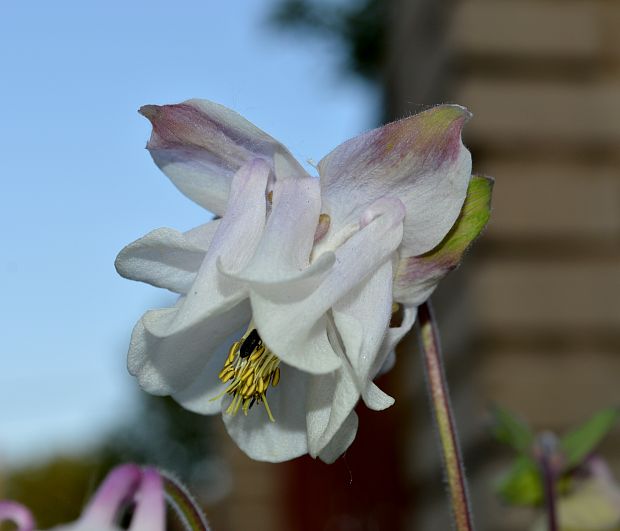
{"type": "Point", "coordinates": [530, 321]}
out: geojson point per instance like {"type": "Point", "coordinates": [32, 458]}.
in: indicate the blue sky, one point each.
{"type": "Point", "coordinates": [77, 183]}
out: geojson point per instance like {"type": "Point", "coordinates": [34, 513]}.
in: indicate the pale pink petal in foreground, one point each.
{"type": "Point", "coordinates": [117, 488]}
{"type": "Point", "coordinates": [11, 511]}
{"type": "Point", "coordinates": [150, 511]}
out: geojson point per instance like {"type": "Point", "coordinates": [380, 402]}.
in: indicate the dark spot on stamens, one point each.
{"type": "Point", "coordinates": [250, 344]}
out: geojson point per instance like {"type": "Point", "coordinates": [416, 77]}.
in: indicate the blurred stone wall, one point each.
{"type": "Point", "coordinates": [532, 319]}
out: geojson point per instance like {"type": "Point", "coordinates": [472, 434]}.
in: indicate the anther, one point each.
{"type": "Point", "coordinates": [257, 354]}
{"type": "Point", "coordinates": [249, 369]}
{"type": "Point", "coordinates": [226, 374]}
{"type": "Point", "coordinates": [232, 352]}
{"type": "Point", "coordinates": [250, 344]}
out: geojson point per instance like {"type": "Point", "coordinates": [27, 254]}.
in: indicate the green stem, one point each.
{"type": "Point", "coordinates": [438, 390]}
{"type": "Point", "coordinates": [184, 504]}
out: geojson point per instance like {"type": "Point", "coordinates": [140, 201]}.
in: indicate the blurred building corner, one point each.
{"type": "Point", "coordinates": [542, 78]}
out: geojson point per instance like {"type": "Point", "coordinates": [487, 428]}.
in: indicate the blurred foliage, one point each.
{"type": "Point", "coordinates": [167, 436]}
{"type": "Point", "coordinates": [577, 444]}
{"type": "Point", "coordinates": [360, 27]}
{"type": "Point", "coordinates": [511, 430]}
{"type": "Point", "coordinates": [523, 484]}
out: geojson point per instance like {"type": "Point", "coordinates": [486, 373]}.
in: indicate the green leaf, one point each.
{"type": "Point", "coordinates": [428, 268]}
{"type": "Point", "coordinates": [472, 219]}
{"type": "Point", "coordinates": [510, 429]}
{"type": "Point", "coordinates": [577, 444]}
{"type": "Point", "coordinates": [522, 485]}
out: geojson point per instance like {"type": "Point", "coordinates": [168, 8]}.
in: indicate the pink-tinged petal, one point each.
{"type": "Point", "coordinates": [233, 246]}
{"type": "Point", "coordinates": [283, 439]}
{"type": "Point", "coordinates": [420, 160]}
{"type": "Point", "coordinates": [150, 511]}
{"type": "Point", "coordinates": [281, 262]}
{"type": "Point", "coordinates": [296, 330]}
{"type": "Point", "coordinates": [167, 258]}
{"type": "Point", "coordinates": [417, 276]}
{"type": "Point", "coordinates": [200, 145]}
{"type": "Point", "coordinates": [284, 249]}
{"type": "Point", "coordinates": [168, 365]}
{"type": "Point", "coordinates": [341, 440]}
{"type": "Point", "coordinates": [11, 511]}
{"type": "Point", "coordinates": [117, 489]}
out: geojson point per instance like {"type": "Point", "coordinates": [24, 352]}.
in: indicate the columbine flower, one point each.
{"type": "Point", "coordinates": [285, 302]}
{"type": "Point", "coordinates": [126, 486]}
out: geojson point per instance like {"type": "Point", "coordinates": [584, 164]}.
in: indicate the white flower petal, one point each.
{"type": "Point", "coordinates": [388, 364]}
{"type": "Point", "coordinates": [341, 440]}
{"type": "Point", "coordinates": [375, 398]}
{"type": "Point", "coordinates": [386, 356]}
{"type": "Point", "coordinates": [167, 365]}
{"type": "Point", "coordinates": [421, 160]}
{"type": "Point", "coordinates": [331, 399]}
{"type": "Point", "coordinates": [362, 318]}
{"type": "Point", "coordinates": [200, 395]}
{"type": "Point", "coordinates": [202, 235]}
{"type": "Point", "coordinates": [283, 439]}
{"type": "Point", "coordinates": [295, 331]}
{"type": "Point", "coordinates": [167, 258]}
{"type": "Point", "coordinates": [233, 245]}
{"type": "Point", "coordinates": [319, 401]}
{"type": "Point", "coordinates": [200, 145]}
{"type": "Point", "coordinates": [283, 254]}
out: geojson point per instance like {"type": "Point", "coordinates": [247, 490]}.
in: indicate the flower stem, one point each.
{"type": "Point", "coordinates": [545, 453]}
{"type": "Point", "coordinates": [438, 390]}
{"type": "Point", "coordinates": [184, 504]}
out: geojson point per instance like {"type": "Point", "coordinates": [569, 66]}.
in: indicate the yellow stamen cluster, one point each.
{"type": "Point", "coordinates": [250, 368]}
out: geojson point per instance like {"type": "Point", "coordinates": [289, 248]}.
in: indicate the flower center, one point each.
{"type": "Point", "coordinates": [250, 368]}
